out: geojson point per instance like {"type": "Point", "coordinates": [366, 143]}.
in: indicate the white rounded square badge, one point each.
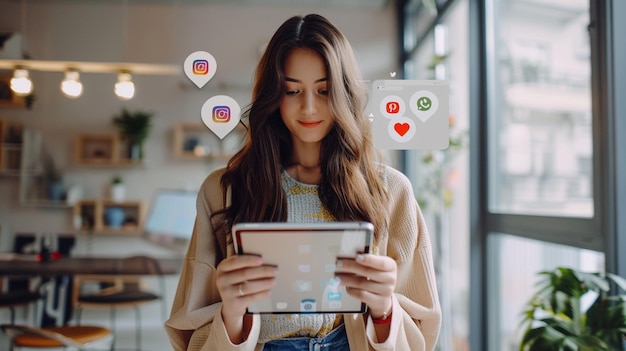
{"type": "Point", "coordinates": [410, 114]}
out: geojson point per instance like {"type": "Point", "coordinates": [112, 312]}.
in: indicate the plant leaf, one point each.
{"type": "Point", "coordinates": [593, 281]}
{"type": "Point", "coordinates": [591, 343]}
{"type": "Point", "coordinates": [621, 282]}
{"type": "Point", "coordinates": [554, 320]}
{"type": "Point", "coordinates": [562, 326]}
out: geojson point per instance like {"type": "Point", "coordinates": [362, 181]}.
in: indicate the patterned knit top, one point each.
{"type": "Point", "coordinates": [303, 206]}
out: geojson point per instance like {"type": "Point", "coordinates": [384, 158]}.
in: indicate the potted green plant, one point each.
{"type": "Point", "coordinates": [556, 318]}
{"type": "Point", "coordinates": [134, 127]}
{"type": "Point", "coordinates": [118, 190]}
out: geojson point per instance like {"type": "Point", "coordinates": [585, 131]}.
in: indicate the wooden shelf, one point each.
{"type": "Point", "coordinates": [92, 214]}
{"type": "Point", "coordinates": [195, 141]}
{"type": "Point", "coordinates": [102, 150]}
{"type": "Point", "coordinates": [46, 203]}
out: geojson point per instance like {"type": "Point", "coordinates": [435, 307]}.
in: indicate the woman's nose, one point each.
{"type": "Point", "coordinates": [308, 105]}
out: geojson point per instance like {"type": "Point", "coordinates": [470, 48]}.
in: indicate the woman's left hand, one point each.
{"type": "Point", "coordinates": [371, 279]}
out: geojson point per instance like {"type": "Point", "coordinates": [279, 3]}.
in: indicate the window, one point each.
{"type": "Point", "coordinates": [540, 108]}
{"type": "Point", "coordinates": [546, 157]}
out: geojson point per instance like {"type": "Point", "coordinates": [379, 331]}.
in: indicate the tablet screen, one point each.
{"type": "Point", "coordinates": [305, 255]}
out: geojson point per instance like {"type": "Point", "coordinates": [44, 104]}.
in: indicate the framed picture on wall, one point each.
{"type": "Point", "coordinates": [7, 97]}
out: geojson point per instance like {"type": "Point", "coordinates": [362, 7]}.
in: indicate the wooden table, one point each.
{"type": "Point", "coordinates": [66, 267]}
{"type": "Point", "coordinates": [83, 265]}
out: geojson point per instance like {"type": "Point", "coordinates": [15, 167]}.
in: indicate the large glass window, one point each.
{"type": "Point", "coordinates": [539, 154]}
{"type": "Point", "coordinates": [539, 104]}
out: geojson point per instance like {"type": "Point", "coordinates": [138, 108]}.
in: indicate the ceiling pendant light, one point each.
{"type": "Point", "coordinates": [124, 88]}
{"type": "Point", "coordinates": [21, 83]}
{"type": "Point", "coordinates": [71, 85]}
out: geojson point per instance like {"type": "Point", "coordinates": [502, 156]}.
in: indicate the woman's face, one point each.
{"type": "Point", "coordinates": [304, 108]}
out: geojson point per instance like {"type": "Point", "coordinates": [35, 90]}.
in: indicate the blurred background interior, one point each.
{"type": "Point", "coordinates": [529, 182]}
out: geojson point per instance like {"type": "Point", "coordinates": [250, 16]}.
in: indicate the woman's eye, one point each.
{"type": "Point", "coordinates": [292, 92]}
{"type": "Point", "coordinates": [323, 91]}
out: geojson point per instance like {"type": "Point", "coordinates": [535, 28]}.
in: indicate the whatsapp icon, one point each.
{"type": "Point", "coordinates": [424, 103]}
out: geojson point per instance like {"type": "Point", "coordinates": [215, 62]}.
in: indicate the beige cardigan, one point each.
{"type": "Point", "coordinates": [196, 322]}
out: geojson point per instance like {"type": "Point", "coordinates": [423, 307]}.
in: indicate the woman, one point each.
{"type": "Point", "coordinates": [308, 157]}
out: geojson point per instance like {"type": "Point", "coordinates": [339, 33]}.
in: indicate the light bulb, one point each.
{"type": "Point", "coordinates": [71, 85]}
{"type": "Point", "coordinates": [124, 88]}
{"type": "Point", "coordinates": [21, 83]}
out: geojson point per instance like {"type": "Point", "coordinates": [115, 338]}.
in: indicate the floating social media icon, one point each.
{"type": "Point", "coordinates": [392, 106]}
{"type": "Point", "coordinates": [221, 114]}
{"type": "Point", "coordinates": [304, 268]}
{"type": "Point", "coordinates": [424, 104]}
{"type": "Point", "coordinates": [281, 305]}
{"type": "Point", "coordinates": [200, 67]}
{"type": "Point", "coordinates": [402, 129]}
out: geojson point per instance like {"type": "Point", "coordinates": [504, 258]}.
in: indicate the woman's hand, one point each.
{"type": "Point", "coordinates": [371, 279]}
{"type": "Point", "coordinates": [242, 280]}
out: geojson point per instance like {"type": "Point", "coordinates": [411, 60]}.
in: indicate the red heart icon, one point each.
{"type": "Point", "coordinates": [401, 128]}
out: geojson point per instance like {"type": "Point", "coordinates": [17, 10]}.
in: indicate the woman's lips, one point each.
{"type": "Point", "coordinates": [310, 124]}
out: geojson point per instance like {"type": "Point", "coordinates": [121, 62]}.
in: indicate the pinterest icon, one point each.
{"type": "Point", "coordinates": [393, 107]}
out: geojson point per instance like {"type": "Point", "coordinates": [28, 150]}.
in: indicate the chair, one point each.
{"type": "Point", "coordinates": [48, 294]}
{"type": "Point", "coordinates": [122, 291]}
{"type": "Point", "coordinates": [67, 338]}
{"type": "Point", "coordinates": [13, 299]}
{"type": "Point", "coordinates": [28, 293]}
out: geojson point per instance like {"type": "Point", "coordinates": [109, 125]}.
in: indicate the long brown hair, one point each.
{"type": "Point", "coordinates": [351, 187]}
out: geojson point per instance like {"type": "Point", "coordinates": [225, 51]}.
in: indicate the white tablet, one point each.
{"type": "Point", "coordinates": [305, 255]}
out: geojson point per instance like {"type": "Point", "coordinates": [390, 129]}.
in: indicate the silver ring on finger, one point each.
{"type": "Point", "coordinates": [240, 288]}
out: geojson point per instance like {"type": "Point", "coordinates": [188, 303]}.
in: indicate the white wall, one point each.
{"type": "Point", "coordinates": [159, 33]}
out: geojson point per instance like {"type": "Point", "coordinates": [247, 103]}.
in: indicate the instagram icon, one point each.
{"type": "Point", "coordinates": [200, 67]}
{"type": "Point", "coordinates": [221, 114]}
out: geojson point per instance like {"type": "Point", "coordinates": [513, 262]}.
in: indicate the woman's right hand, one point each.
{"type": "Point", "coordinates": [242, 280]}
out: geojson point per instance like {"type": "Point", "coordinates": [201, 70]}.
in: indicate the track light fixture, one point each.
{"type": "Point", "coordinates": [124, 88]}
{"type": "Point", "coordinates": [71, 85]}
{"type": "Point", "coordinates": [21, 83]}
